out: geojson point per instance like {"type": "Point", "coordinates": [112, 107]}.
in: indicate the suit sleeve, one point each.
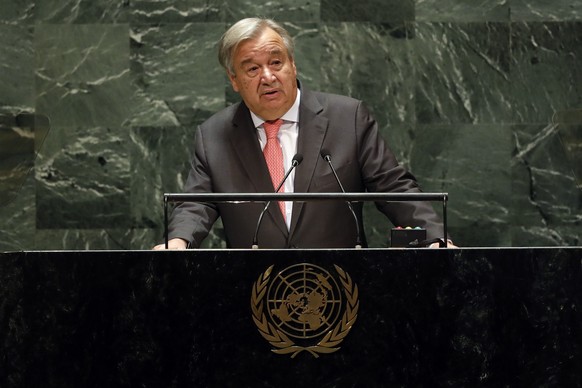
{"type": "Point", "coordinates": [193, 221]}
{"type": "Point", "coordinates": [382, 173]}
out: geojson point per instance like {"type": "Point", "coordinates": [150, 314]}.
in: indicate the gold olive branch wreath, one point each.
{"type": "Point", "coordinates": [283, 344]}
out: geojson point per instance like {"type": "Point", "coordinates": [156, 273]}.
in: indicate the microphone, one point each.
{"type": "Point", "coordinates": [297, 159]}
{"type": "Point", "coordinates": [327, 157]}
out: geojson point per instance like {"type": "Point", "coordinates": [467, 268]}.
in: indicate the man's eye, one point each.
{"type": "Point", "coordinates": [253, 70]}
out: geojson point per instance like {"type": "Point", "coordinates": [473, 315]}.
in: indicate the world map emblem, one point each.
{"type": "Point", "coordinates": [304, 307]}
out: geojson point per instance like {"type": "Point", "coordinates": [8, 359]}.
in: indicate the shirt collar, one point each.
{"type": "Point", "coordinates": [292, 114]}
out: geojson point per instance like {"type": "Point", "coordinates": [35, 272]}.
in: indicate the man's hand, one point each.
{"type": "Point", "coordinates": [449, 245]}
{"type": "Point", "coordinates": [175, 243]}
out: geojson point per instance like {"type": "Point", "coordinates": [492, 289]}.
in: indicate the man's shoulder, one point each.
{"type": "Point", "coordinates": [326, 98]}
{"type": "Point", "coordinates": [226, 114]}
{"type": "Point", "coordinates": [223, 116]}
{"type": "Point", "coordinates": [331, 104]}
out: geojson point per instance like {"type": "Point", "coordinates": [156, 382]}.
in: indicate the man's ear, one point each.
{"type": "Point", "coordinates": [232, 79]}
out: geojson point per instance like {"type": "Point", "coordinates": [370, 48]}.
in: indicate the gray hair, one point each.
{"type": "Point", "coordinates": [249, 28]}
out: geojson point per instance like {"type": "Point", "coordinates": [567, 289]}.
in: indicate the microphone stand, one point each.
{"type": "Point", "coordinates": [297, 159]}
{"type": "Point", "coordinates": [325, 155]}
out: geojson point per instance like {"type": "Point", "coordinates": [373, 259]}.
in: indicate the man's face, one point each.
{"type": "Point", "coordinates": [264, 75]}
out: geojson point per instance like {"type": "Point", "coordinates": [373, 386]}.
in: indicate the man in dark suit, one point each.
{"type": "Point", "coordinates": [232, 147]}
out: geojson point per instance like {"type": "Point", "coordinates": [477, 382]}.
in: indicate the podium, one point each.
{"type": "Point", "coordinates": [417, 317]}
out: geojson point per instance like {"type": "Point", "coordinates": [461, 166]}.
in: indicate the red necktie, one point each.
{"type": "Point", "coordinates": [274, 156]}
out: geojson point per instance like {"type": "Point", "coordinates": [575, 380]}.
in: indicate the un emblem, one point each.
{"type": "Point", "coordinates": [303, 309]}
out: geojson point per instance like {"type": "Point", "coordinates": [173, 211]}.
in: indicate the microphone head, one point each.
{"type": "Point", "coordinates": [325, 154]}
{"type": "Point", "coordinates": [297, 159]}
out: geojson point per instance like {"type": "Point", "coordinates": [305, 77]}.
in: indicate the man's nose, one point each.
{"type": "Point", "coordinates": [267, 75]}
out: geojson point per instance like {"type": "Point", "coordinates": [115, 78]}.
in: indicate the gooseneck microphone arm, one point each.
{"type": "Point", "coordinates": [297, 159]}
{"type": "Point", "coordinates": [327, 157]}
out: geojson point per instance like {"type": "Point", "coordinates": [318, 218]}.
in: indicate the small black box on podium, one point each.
{"type": "Point", "coordinates": [407, 237]}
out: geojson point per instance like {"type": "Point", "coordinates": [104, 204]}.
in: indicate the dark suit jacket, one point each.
{"type": "Point", "coordinates": [228, 159]}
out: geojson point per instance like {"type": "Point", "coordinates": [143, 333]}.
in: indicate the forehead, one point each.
{"type": "Point", "coordinates": [267, 43]}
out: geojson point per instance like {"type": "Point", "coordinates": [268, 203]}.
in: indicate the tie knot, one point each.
{"type": "Point", "coordinates": [272, 128]}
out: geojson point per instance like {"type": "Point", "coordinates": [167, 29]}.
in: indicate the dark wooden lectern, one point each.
{"type": "Point", "coordinates": [417, 317]}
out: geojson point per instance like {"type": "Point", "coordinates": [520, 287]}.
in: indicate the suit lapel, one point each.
{"type": "Point", "coordinates": [248, 150]}
{"type": "Point", "coordinates": [246, 145]}
{"type": "Point", "coordinates": [312, 130]}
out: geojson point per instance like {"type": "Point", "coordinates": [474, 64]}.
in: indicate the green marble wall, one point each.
{"type": "Point", "coordinates": [481, 101]}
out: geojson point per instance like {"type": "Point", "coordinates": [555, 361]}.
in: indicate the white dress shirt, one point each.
{"type": "Point", "coordinates": [288, 139]}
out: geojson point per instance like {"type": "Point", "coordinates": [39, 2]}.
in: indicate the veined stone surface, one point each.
{"type": "Point", "coordinates": [478, 100]}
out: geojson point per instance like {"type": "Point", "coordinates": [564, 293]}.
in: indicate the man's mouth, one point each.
{"type": "Point", "coordinates": [270, 92]}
